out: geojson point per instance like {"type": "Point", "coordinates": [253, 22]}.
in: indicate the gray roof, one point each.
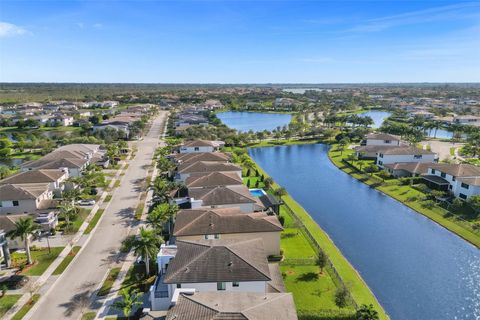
{"type": "Point", "coordinates": [401, 150]}
{"type": "Point", "coordinates": [34, 176]}
{"type": "Point", "coordinates": [233, 306]}
{"type": "Point", "coordinates": [213, 179]}
{"type": "Point", "coordinates": [218, 261]}
{"type": "Point", "coordinates": [202, 156]}
{"type": "Point", "coordinates": [222, 195]}
{"type": "Point", "coordinates": [199, 143]}
{"type": "Point", "coordinates": [382, 136]}
{"type": "Point", "coordinates": [55, 163]}
{"type": "Point", "coordinates": [221, 221]}
{"type": "Point", "coordinates": [457, 170]}
{"type": "Point", "coordinates": [207, 166]}
{"type": "Point", "coordinates": [22, 191]}
{"type": "Point", "coordinates": [411, 167]}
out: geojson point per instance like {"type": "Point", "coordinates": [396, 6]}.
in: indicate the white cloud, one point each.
{"type": "Point", "coordinates": [98, 25]}
{"type": "Point", "coordinates": [11, 30]}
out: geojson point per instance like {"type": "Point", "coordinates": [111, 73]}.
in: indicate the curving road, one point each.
{"type": "Point", "coordinates": [71, 293]}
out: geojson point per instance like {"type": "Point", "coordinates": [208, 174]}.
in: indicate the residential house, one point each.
{"type": "Point", "coordinates": [404, 154]}
{"type": "Point", "coordinates": [55, 179]}
{"type": "Point", "coordinates": [25, 198]}
{"type": "Point", "coordinates": [200, 146]}
{"type": "Point", "coordinates": [210, 266]}
{"type": "Point", "coordinates": [213, 179]}
{"type": "Point", "coordinates": [468, 120]}
{"type": "Point", "coordinates": [181, 158]}
{"type": "Point", "coordinates": [230, 224]}
{"type": "Point", "coordinates": [407, 169]}
{"type": "Point", "coordinates": [203, 167]}
{"type": "Point", "coordinates": [382, 139]}
{"type": "Point", "coordinates": [233, 305]}
{"type": "Point", "coordinates": [62, 120]}
{"type": "Point", "coordinates": [5, 259]}
{"type": "Point", "coordinates": [224, 197]}
{"type": "Point", "coordinates": [462, 180]}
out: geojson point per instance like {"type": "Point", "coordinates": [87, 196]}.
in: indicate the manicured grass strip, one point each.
{"type": "Point", "coordinates": [108, 198]}
{"type": "Point", "coordinates": [94, 221]}
{"type": "Point", "coordinates": [108, 283]}
{"type": "Point", "coordinates": [139, 211]}
{"type": "Point", "coordinates": [116, 184]}
{"type": "Point", "coordinates": [8, 301]}
{"type": "Point", "coordinates": [82, 214]}
{"type": "Point", "coordinates": [66, 261]}
{"type": "Point", "coordinates": [359, 290]}
{"type": "Point", "coordinates": [26, 307]}
{"type": "Point", "coordinates": [402, 193]}
{"type": "Point", "coordinates": [89, 315]}
{"type": "Point", "coordinates": [41, 257]}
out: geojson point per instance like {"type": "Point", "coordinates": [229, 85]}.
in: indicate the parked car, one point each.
{"type": "Point", "coordinates": [86, 202]}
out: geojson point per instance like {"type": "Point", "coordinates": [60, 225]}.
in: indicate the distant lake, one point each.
{"type": "Point", "coordinates": [377, 116]}
{"type": "Point", "coordinates": [302, 90]}
{"type": "Point", "coordinates": [255, 121]}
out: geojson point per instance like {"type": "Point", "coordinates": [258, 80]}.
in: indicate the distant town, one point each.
{"type": "Point", "coordinates": [144, 201]}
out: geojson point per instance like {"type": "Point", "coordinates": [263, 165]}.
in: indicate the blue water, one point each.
{"type": "Point", "coordinates": [255, 121]}
{"type": "Point", "coordinates": [441, 134]}
{"type": "Point", "coordinates": [257, 192]}
{"type": "Point", "coordinates": [417, 269]}
{"type": "Point", "coordinates": [377, 116]}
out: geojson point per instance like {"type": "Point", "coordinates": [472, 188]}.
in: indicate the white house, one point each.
{"type": "Point", "coordinates": [24, 198]}
{"type": "Point", "coordinates": [404, 154]}
{"type": "Point", "coordinates": [210, 266]}
{"type": "Point", "coordinates": [200, 146]}
{"type": "Point", "coordinates": [55, 178]}
{"type": "Point", "coordinates": [382, 139]}
{"type": "Point", "coordinates": [462, 180]}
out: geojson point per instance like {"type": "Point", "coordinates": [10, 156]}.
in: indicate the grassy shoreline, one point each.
{"type": "Point", "coordinates": [435, 214]}
{"type": "Point", "coordinates": [359, 290]}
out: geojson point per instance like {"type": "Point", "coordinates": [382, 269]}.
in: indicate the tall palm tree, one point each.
{"type": "Point", "coordinates": [166, 212]}
{"type": "Point", "coordinates": [69, 212]}
{"type": "Point", "coordinates": [280, 192]}
{"type": "Point", "coordinates": [129, 300]}
{"type": "Point", "coordinates": [145, 244]}
{"type": "Point", "coordinates": [24, 228]}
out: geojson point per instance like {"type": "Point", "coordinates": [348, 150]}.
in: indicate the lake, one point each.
{"type": "Point", "coordinates": [416, 268]}
{"type": "Point", "coordinates": [255, 121]}
{"type": "Point", "coordinates": [377, 116]}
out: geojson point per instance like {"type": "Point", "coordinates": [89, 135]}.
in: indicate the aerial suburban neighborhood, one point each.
{"type": "Point", "coordinates": [239, 160]}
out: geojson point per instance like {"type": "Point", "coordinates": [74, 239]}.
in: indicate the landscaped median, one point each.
{"type": "Point", "coordinates": [66, 261]}
{"type": "Point", "coordinates": [26, 307]}
{"type": "Point", "coordinates": [407, 195]}
{"type": "Point", "coordinates": [94, 221]}
{"type": "Point", "coordinates": [316, 298]}
{"type": "Point", "coordinates": [108, 282]}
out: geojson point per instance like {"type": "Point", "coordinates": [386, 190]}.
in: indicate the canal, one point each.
{"type": "Point", "coordinates": [416, 268]}
{"type": "Point", "coordinates": [255, 121]}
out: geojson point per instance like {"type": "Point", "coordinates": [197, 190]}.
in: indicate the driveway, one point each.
{"type": "Point", "coordinates": [70, 295]}
{"type": "Point", "coordinates": [442, 148]}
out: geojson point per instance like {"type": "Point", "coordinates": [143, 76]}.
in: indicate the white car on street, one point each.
{"type": "Point", "coordinates": [86, 202]}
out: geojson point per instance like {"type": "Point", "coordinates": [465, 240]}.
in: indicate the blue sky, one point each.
{"type": "Point", "coordinates": [239, 41]}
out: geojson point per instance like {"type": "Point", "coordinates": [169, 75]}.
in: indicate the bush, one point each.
{"type": "Point", "coordinates": [428, 204]}
{"type": "Point", "coordinates": [281, 219]}
{"type": "Point", "coordinates": [341, 296]}
{"type": "Point", "coordinates": [412, 199]}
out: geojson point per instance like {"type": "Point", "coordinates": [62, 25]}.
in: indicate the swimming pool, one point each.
{"type": "Point", "coordinates": [257, 192]}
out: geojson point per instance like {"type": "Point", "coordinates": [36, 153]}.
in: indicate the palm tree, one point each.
{"type": "Point", "coordinates": [268, 182]}
{"type": "Point", "coordinates": [24, 228]}
{"type": "Point", "coordinates": [69, 212]}
{"type": "Point", "coordinates": [165, 212]}
{"type": "Point", "coordinates": [145, 244]}
{"type": "Point", "coordinates": [366, 312]}
{"type": "Point", "coordinates": [156, 219]}
{"type": "Point", "coordinates": [280, 192]}
{"type": "Point", "coordinates": [129, 300]}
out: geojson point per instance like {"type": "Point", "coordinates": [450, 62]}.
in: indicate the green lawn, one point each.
{"type": "Point", "coordinates": [135, 279]}
{"type": "Point", "coordinates": [66, 261]}
{"type": "Point", "coordinates": [139, 211]}
{"type": "Point", "coordinates": [108, 283]}
{"type": "Point", "coordinates": [94, 221]}
{"type": "Point", "coordinates": [295, 245]}
{"type": "Point", "coordinates": [82, 214]}
{"type": "Point", "coordinates": [89, 315]}
{"type": "Point", "coordinates": [41, 257]}
{"type": "Point", "coordinates": [7, 301]}
{"type": "Point", "coordinates": [311, 289]}
{"type": "Point", "coordinates": [108, 198]}
{"type": "Point", "coordinates": [26, 307]}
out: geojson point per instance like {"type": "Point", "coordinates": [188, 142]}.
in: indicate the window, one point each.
{"type": "Point", "coordinates": [417, 156]}
{"type": "Point", "coordinates": [461, 195]}
{"type": "Point", "coordinates": [443, 174]}
{"type": "Point", "coordinates": [196, 149]}
{"type": "Point", "coordinates": [217, 236]}
{"type": "Point", "coordinates": [465, 186]}
{"type": "Point", "coordinates": [206, 237]}
{"type": "Point", "coordinates": [381, 155]}
{"type": "Point", "coordinates": [450, 187]}
{"type": "Point", "coordinates": [433, 171]}
{"type": "Point", "coordinates": [388, 141]}
{"type": "Point", "coordinates": [221, 286]}
{"type": "Point", "coordinates": [235, 284]}
{"type": "Point", "coordinates": [15, 203]}
{"type": "Point", "coordinates": [380, 163]}
{"type": "Point", "coordinates": [453, 178]}
{"type": "Point", "coordinates": [179, 285]}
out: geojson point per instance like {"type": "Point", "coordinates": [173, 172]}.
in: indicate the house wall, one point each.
{"type": "Point", "coordinates": [378, 142]}
{"type": "Point", "coordinates": [383, 159]}
{"type": "Point", "coordinates": [271, 240]}
{"type": "Point", "coordinates": [196, 149]}
{"type": "Point", "coordinates": [456, 185]}
{"type": "Point", "coordinates": [246, 286]}
{"type": "Point", "coordinates": [28, 205]}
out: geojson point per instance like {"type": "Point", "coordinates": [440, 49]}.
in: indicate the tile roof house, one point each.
{"type": "Point", "coordinates": [383, 139]}
{"type": "Point", "coordinates": [224, 197]}
{"type": "Point", "coordinates": [182, 158]}
{"type": "Point", "coordinates": [210, 266]}
{"type": "Point", "coordinates": [233, 306]}
{"type": "Point", "coordinates": [213, 179]}
{"type": "Point", "coordinates": [200, 146]}
{"type": "Point", "coordinates": [463, 180]}
{"type": "Point", "coordinates": [54, 177]}
{"type": "Point", "coordinates": [407, 169]}
{"type": "Point", "coordinates": [404, 154]}
{"type": "Point", "coordinates": [25, 198]}
{"type": "Point", "coordinates": [202, 167]}
{"type": "Point", "coordinates": [230, 224]}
